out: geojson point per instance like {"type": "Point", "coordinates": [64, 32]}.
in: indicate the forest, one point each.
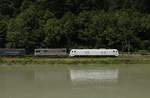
{"type": "Point", "coordinates": [119, 24]}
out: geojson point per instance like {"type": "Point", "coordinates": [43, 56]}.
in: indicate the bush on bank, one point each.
{"type": "Point", "coordinates": [128, 59]}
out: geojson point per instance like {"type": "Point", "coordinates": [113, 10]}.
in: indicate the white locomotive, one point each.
{"type": "Point", "coordinates": [94, 52]}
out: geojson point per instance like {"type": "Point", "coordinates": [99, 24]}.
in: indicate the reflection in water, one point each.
{"type": "Point", "coordinates": [50, 75]}
{"type": "Point", "coordinates": [104, 75]}
{"type": "Point", "coordinates": [100, 83]}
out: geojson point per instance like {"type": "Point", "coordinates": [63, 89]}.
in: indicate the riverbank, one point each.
{"type": "Point", "coordinates": [124, 59]}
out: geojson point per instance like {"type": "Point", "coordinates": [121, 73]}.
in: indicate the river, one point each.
{"type": "Point", "coordinates": [131, 81]}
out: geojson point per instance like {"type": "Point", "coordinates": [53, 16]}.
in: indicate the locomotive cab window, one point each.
{"type": "Point", "coordinates": [73, 51]}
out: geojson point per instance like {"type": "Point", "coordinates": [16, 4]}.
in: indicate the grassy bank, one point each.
{"type": "Point", "coordinates": [126, 59]}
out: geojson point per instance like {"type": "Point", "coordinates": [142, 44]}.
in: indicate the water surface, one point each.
{"type": "Point", "coordinates": [131, 81]}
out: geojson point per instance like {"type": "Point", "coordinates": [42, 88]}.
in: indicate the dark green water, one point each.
{"type": "Point", "coordinates": [131, 81]}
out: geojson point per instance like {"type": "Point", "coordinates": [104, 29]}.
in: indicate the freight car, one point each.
{"type": "Point", "coordinates": [94, 52]}
{"type": "Point", "coordinates": [12, 52]}
{"type": "Point", "coordinates": [50, 52]}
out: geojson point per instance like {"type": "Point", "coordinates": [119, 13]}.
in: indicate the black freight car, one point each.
{"type": "Point", "coordinates": [12, 52]}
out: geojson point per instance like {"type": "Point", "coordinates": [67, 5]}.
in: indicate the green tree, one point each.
{"type": "Point", "coordinates": [26, 31]}
{"type": "Point", "coordinates": [3, 30]}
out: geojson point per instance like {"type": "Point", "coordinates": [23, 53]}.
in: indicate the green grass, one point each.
{"type": "Point", "coordinates": [128, 59]}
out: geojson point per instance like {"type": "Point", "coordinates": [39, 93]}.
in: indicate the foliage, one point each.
{"type": "Point", "coordinates": [121, 24]}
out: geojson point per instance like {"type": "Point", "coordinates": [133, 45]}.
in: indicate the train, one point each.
{"type": "Point", "coordinates": [62, 52]}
